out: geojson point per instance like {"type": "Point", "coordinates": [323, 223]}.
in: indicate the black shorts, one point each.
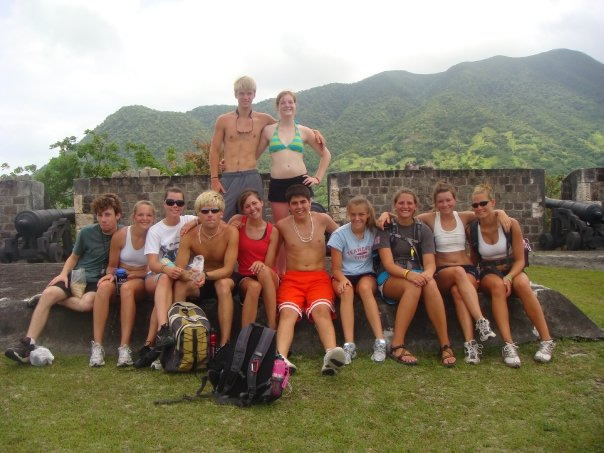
{"type": "Point", "coordinates": [208, 291]}
{"type": "Point", "coordinates": [278, 187]}
{"type": "Point", "coordinates": [469, 268]}
{"type": "Point", "coordinates": [354, 279]}
{"type": "Point", "coordinates": [500, 271]}
{"type": "Point", "coordinates": [90, 287]}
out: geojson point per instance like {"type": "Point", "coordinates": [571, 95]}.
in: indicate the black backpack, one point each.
{"type": "Point", "coordinates": [414, 243]}
{"type": "Point", "coordinates": [242, 374]}
{"type": "Point", "coordinates": [245, 372]}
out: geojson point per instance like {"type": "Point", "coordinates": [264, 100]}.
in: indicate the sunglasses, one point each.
{"type": "Point", "coordinates": [482, 204]}
{"type": "Point", "coordinates": [208, 210]}
{"type": "Point", "coordinates": [171, 202]}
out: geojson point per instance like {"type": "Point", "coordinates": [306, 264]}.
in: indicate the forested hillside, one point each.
{"type": "Point", "coordinates": [544, 111]}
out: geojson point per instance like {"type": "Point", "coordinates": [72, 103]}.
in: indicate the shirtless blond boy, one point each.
{"type": "Point", "coordinates": [218, 243]}
{"type": "Point", "coordinates": [239, 134]}
{"type": "Point", "coordinates": [306, 286]}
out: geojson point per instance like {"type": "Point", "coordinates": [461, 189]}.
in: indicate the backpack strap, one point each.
{"type": "Point", "coordinates": [256, 360]}
{"type": "Point", "coordinates": [474, 238]}
{"type": "Point", "coordinates": [238, 357]}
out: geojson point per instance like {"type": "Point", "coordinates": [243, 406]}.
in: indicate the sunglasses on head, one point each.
{"type": "Point", "coordinates": [171, 202]}
{"type": "Point", "coordinates": [208, 210]}
{"type": "Point", "coordinates": [482, 204]}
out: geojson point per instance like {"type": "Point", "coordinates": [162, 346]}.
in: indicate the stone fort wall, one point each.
{"type": "Point", "coordinates": [520, 192]}
{"type": "Point", "coordinates": [585, 184]}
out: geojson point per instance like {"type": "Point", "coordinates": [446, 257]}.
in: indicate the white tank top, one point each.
{"type": "Point", "coordinates": [495, 251]}
{"type": "Point", "coordinates": [449, 241]}
{"type": "Point", "coordinates": [131, 256]}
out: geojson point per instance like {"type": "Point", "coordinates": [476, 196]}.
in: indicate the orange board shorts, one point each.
{"type": "Point", "coordinates": [303, 291]}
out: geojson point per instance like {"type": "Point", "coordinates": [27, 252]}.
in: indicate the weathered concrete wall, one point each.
{"type": "Point", "coordinates": [520, 192]}
{"type": "Point", "coordinates": [586, 184]}
{"type": "Point", "coordinates": [16, 195]}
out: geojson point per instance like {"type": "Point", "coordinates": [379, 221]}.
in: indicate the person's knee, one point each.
{"type": "Point", "coordinates": [223, 287]}
{"type": "Point", "coordinates": [51, 295]}
{"type": "Point", "coordinates": [321, 312]}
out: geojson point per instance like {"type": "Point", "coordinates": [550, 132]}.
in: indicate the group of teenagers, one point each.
{"type": "Point", "coordinates": [421, 257]}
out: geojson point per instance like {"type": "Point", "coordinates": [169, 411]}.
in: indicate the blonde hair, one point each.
{"type": "Point", "coordinates": [140, 203]}
{"type": "Point", "coordinates": [244, 83]}
{"type": "Point", "coordinates": [362, 201]}
{"type": "Point", "coordinates": [484, 188]}
{"type": "Point", "coordinates": [284, 93]}
{"type": "Point", "coordinates": [209, 199]}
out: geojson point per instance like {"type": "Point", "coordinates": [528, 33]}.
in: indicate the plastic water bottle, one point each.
{"type": "Point", "coordinates": [121, 275]}
{"type": "Point", "coordinates": [279, 377]}
{"type": "Point", "coordinates": [212, 343]}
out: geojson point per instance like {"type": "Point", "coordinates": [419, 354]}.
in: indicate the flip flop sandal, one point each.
{"type": "Point", "coordinates": [405, 353]}
{"type": "Point", "coordinates": [446, 353]}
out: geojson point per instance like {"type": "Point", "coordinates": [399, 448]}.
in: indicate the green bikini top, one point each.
{"type": "Point", "coordinates": [297, 144]}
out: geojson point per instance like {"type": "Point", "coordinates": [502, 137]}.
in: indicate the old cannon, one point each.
{"type": "Point", "coordinates": [42, 235]}
{"type": "Point", "coordinates": [575, 224]}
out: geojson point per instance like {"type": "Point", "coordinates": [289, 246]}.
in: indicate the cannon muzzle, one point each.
{"type": "Point", "coordinates": [35, 223]}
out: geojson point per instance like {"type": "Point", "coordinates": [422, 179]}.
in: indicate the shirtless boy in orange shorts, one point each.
{"type": "Point", "coordinates": [306, 286]}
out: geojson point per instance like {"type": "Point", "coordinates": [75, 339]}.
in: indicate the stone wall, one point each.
{"type": "Point", "coordinates": [521, 193]}
{"type": "Point", "coordinates": [586, 184]}
{"type": "Point", "coordinates": [16, 195]}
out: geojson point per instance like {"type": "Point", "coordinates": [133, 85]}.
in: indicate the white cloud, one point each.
{"type": "Point", "coordinates": [65, 65]}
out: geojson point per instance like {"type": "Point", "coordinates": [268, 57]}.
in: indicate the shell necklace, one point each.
{"type": "Point", "coordinates": [206, 234]}
{"type": "Point", "coordinates": [312, 229]}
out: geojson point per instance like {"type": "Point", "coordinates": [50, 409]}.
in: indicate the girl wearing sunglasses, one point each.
{"type": "Point", "coordinates": [161, 247]}
{"type": "Point", "coordinates": [501, 266]}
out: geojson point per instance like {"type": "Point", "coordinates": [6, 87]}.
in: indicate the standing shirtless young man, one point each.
{"type": "Point", "coordinates": [306, 286]}
{"type": "Point", "coordinates": [238, 133]}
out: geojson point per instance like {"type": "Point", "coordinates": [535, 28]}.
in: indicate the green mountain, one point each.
{"type": "Point", "coordinates": [543, 111]}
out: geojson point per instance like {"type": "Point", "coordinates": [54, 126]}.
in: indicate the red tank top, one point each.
{"type": "Point", "coordinates": [251, 250]}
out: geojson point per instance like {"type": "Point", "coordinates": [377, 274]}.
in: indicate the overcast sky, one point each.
{"type": "Point", "coordinates": [65, 65]}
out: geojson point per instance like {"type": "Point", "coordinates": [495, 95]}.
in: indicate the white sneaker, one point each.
{"type": "Point", "coordinates": [334, 359]}
{"type": "Point", "coordinates": [350, 349]}
{"type": "Point", "coordinates": [484, 329]}
{"type": "Point", "coordinates": [472, 350]}
{"type": "Point", "coordinates": [510, 355]}
{"type": "Point", "coordinates": [124, 356]}
{"type": "Point", "coordinates": [97, 354]}
{"type": "Point", "coordinates": [292, 368]}
{"type": "Point", "coordinates": [379, 350]}
{"type": "Point", "coordinates": [156, 365]}
{"type": "Point", "coordinates": [544, 353]}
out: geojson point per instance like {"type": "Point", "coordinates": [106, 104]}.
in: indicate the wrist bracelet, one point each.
{"type": "Point", "coordinates": [406, 273]}
{"type": "Point", "coordinates": [508, 278]}
{"type": "Point", "coordinates": [213, 177]}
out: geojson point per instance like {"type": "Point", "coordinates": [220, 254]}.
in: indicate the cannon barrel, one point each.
{"type": "Point", "coordinates": [587, 212]}
{"type": "Point", "coordinates": [35, 223]}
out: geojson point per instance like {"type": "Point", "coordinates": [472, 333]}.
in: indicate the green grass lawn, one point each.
{"type": "Point", "coordinates": [387, 407]}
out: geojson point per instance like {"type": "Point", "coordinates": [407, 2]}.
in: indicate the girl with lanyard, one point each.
{"type": "Point", "coordinates": [405, 275]}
